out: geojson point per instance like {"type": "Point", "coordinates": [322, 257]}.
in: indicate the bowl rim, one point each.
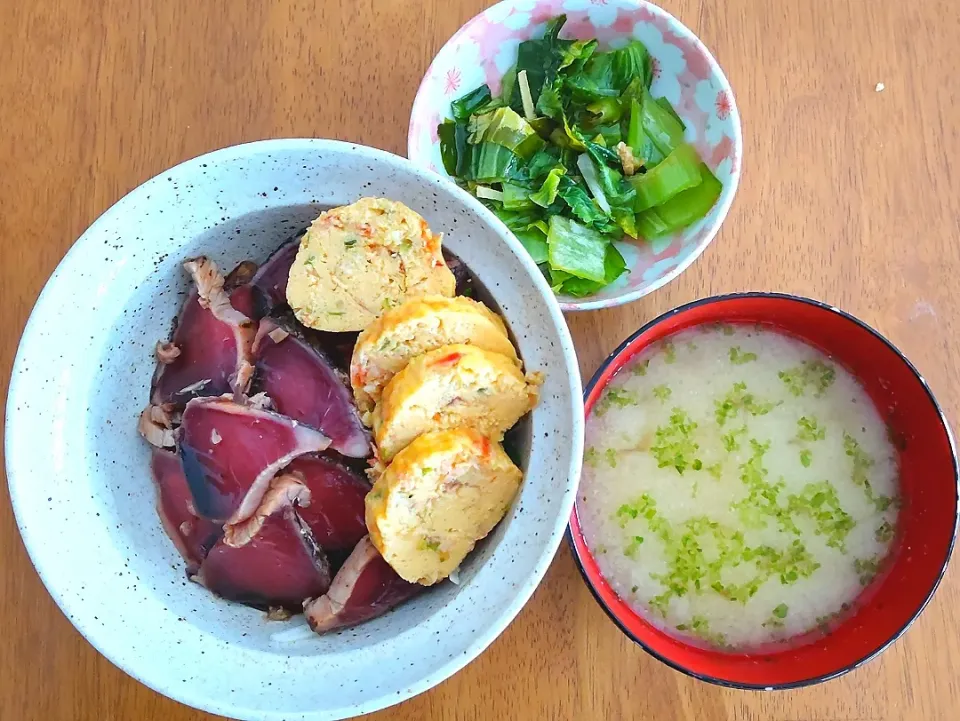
{"type": "Point", "coordinates": [724, 204]}
{"type": "Point", "coordinates": [521, 593]}
{"type": "Point", "coordinates": [624, 346]}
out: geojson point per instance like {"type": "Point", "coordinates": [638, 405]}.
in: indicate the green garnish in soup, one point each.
{"type": "Point", "coordinates": [752, 492]}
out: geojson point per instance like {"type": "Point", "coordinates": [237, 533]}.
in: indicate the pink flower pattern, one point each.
{"type": "Point", "coordinates": [723, 105]}
{"type": "Point", "coordinates": [468, 59]}
{"type": "Point", "coordinates": [453, 81]}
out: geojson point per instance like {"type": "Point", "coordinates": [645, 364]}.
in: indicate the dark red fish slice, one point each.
{"type": "Point", "coordinates": [335, 513]}
{"type": "Point", "coordinates": [365, 587]}
{"type": "Point", "coordinates": [192, 536]}
{"type": "Point", "coordinates": [213, 342]}
{"type": "Point", "coordinates": [230, 453]}
{"type": "Point", "coordinates": [304, 385]}
{"type": "Point", "coordinates": [271, 560]}
{"type": "Point", "coordinates": [270, 282]}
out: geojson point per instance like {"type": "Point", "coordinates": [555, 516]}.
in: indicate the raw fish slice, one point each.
{"type": "Point", "coordinates": [303, 384]}
{"type": "Point", "coordinates": [460, 273]}
{"type": "Point", "coordinates": [237, 284]}
{"type": "Point", "coordinates": [192, 536]}
{"type": "Point", "coordinates": [231, 452]}
{"type": "Point", "coordinates": [270, 560]}
{"type": "Point", "coordinates": [364, 588]}
{"type": "Point", "coordinates": [270, 282]}
{"type": "Point", "coordinates": [335, 513]}
{"type": "Point", "coordinates": [210, 352]}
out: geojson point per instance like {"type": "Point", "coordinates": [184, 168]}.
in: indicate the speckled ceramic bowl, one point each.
{"type": "Point", "coordinates": [78, 472]}
{"type": "Point", "coordinates": [684, 72]}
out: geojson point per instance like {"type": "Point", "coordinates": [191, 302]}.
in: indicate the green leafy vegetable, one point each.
{"type": "Point", "coordinates": [470, 103]}
{"type": "Point", "coordinates": [547, 194]}
{"type": "Point", "coordinates": [683, 209]}
{"type": "Point", "coordinates": [505, 127]}
{"type": "Point", "coordinates": [575, 134]}
{"type": "Point", "coordinates": [679, 171]}
{"type": "Point", "coordinates": [576, 249]}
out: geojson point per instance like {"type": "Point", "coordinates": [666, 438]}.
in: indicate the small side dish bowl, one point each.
{"type": "Point", "coordinates": [927, 524]}
{"type": "Point", "coordinates": [684, 72]}
{"type": "Point", "coordinates": [79, 476]}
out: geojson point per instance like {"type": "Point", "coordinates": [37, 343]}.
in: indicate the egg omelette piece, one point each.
{"type": "Point", "coordinates": [454, 385]}
{"type": "Point", "coordinates": [386, 346]}
{"type": "Point", "coordinates": [439, 496]}
{"type": "Point", "coordinates": [356, 261]}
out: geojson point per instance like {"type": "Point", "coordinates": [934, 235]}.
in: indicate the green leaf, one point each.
{"type": "Point", "coordinates": [665, 104]}
{"type": "Point", "coordinates": [632, 61]}
{"type": "Point", "coordinates": [581, 204]}
{"type": "Point", "coordinates": [549, 102]}
{"type": "Point", "coordinates": [614, 266]}
{"type": "Point", "coordinates": [535, 243]}
{"type": "Point", "coordinates": [663, 129]}
{"type": "Point", "coordinates": [447, 133]}
{"type": "Point", "coordinates": [516, 197]}
{"type": "Point", "coordinates": [548, 191]}
{"type": "Point", "coordinates": [683, 209]}
{"type": "Point", "coordinates": [492, 163]}
{"type": "Point", "coordinates": [781, 611]}
{"type": "Point", "coordinates": [679, 171]}
{"type": "Point", "coordinates": [543, 162]}
{"type": "Point", "coordinates": [467, 105]}
{"type": "Point", "coordinates": [505, 127]}
{"type": "Point", "coordinates": [577, 249]}
{"type": "Point", "coordinates": [605, 110]}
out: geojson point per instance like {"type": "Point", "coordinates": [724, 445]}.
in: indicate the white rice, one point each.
{"type": "Point", "coordinates": [698, 368]}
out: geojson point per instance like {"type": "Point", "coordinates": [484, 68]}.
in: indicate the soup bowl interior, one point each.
{"type": "Point", "coordinates": [928, 489]}
{"type": "Point", "coordinates": [79, 477]}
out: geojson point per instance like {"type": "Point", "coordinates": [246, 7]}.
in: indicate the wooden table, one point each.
{"type": "Point", "coordinates": [848, 194]}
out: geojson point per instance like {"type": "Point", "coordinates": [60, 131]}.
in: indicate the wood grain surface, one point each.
{"type": "Point", "coordinates": [848, 195]}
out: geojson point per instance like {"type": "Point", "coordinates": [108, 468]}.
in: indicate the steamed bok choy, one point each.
{"type": "Point", "coordinates": [575, 155]}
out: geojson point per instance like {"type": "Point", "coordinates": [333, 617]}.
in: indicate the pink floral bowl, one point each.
{"type": "Point", "coordinates": [684, 72]}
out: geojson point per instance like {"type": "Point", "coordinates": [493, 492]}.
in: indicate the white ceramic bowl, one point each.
{"type": "Point", "coordinates": [684, 72]}
{"type": "Point", "coordinates": [78, 472]}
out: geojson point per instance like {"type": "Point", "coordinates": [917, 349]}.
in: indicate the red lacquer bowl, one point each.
{"type": "Point", "coordinates": [929, 491]}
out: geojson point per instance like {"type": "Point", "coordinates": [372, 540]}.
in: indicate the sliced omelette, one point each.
{"type": "Point", "coordinates": [439, 496]}
{"type": "Point", "coordinates": [454, 385]}
{"type": "Point", "coordinates": [418, 326]}
{"type": "Point", "coordinates": [359, 260]}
